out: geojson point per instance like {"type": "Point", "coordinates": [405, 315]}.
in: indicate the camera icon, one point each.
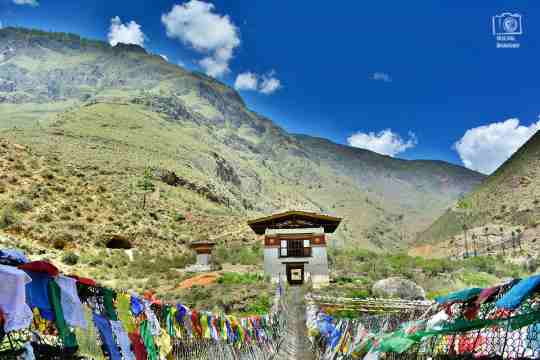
{"type": "Point", "coordinates": [507, 24]}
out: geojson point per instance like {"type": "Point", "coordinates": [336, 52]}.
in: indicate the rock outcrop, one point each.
{"type": "Point", "coordinates": [396, 287]}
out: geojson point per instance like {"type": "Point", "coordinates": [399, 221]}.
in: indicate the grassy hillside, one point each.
{"type": "Point", "coordinates": [121, 108]}
{"type": "Point", "coordinates": [77, 216]}
{"type": "Point", "coordinates": [507, 202]}
{"type": "Point", "coordinates": [356, 270]}
{"type": "Point", "coordinates": [80, 122]}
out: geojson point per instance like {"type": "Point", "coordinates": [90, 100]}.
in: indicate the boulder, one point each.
{"type": "Point", "coordinates": [396, 287]}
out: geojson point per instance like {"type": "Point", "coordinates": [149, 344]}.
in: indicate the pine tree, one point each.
{"type": "Point", "coordinates": [145, 184]}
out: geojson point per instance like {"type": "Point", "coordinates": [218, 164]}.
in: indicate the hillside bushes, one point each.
{"type": "Point", "coordinates": [238, 278]}
{"type": "Point", "coordinates": [357, 270]}
{"type": "Point", "coordinates": [7, 217]}
{"type": "Point", "coordinates": [241, 255]}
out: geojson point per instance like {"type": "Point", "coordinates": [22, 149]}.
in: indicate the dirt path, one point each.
{"type": "Point", "coordinates": [296, 345]}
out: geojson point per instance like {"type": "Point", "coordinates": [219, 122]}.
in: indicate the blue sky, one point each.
{"type": "Point", "coordinates": [428, 71]}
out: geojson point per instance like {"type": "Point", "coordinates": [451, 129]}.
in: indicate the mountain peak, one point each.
{"type": "Point", "coordinates": [129, 47]}
{"type": "Point", "coordinates": [39, 66]}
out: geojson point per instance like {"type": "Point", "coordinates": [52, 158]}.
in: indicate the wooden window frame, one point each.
{"type": "Point", "coordinates": [293, 250]}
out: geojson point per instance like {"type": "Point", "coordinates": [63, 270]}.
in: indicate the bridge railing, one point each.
{"type": "Point", "coordinates": [401, 329]}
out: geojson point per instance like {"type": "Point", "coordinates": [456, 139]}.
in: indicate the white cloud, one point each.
{"type": "Point", "coordinates": [381, 76]}
{"type": "Point", "coordinates": [164, 57]}
{"type": "Point", "coordinates": [266, 84]}
{"type": "Point", "coordinates": [385, 142]}
{"type": "Point", "coordinates": [211, 34]}
{"type": "Point", "coordinates": [485, 148]}
{"type": "Point", "coordinates": [246, 81]}
{"type": "Point", "coordinates": [26, 2]}
{"type": "Point", "coordinates": [128, 33]}
{"type": "Point", "coordinates": [214, 67]}
{"type": "Point", "coordinates": [270, 83]}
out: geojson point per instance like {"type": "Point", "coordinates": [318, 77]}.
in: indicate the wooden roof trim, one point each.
{"type": "Point", "coordinates": [312, 215]}
{"type": "Point", "coordinates": [329, 223]}
{"type": "Point", "coordinates": [202, 243]}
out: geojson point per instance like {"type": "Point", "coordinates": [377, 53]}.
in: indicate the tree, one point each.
{"type": "Point", "coordinates": [501, 230]}
{"type": "Point", "coordinates": [474, 237]}
{"type": "Point", "coordinates": [465, 239]}
{"type": "Point", "coordinates": [486, 241]}
{"type": "Point", "coordinates": [145, 184]}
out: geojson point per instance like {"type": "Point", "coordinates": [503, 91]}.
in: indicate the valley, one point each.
{"type": "Point", "coordinates": [81, 122]}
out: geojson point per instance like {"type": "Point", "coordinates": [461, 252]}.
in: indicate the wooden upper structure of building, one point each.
{"type": "Point", "coordinates": [295, 220]}
{"type": "Point", "coordinates": [202, 246]}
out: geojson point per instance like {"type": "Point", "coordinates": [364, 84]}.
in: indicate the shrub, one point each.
{"type": "Point", "coordinates": [45, 217]}
{"type": "Point", "coordinates": [48, 175]}
{"type": "Point", "coordinates": [19, 166]}
{"type": "Point", "coordinates": [247, 256]}
{"type": "Point", "coordinates": [260, 306]}
{"type": "Point", "coordinates": [359, 293]}
{"type": "Point", "coordinates": [64, 235]}
{"type": "Point", "coordinates": [344, 280]}
{"type": "Point", "coordinates": [237, 278]}
{"type": "Point", "coordinates": [153, 282]}
{"type": "Point", "coordinates": [95, 261]}
{"type": "Point", "coordinates": [195, 294]}
{"type": "Point", "coordinates": [7, 217]}
{"type": "Point", "coordinates": [243, 255]}
{"type": "Point", "coordinates": [70, 258]}
{"type": "Point", "coordinates": [481, 263]}
{"type": "Point", "coordinates": [480, 279]}
{"type": "Point", "coordinates": [59, 244]}
{"type": "Point", "coordinates": [436, 266]}
{"type": "Point", "coordinates": [181, 261]}
{"type": "Point", "coordinates": [179, 217]}
{"type": "Point", "coordinates": [363, 255]}
{"type": "Point", "coordinates": [464, 204]}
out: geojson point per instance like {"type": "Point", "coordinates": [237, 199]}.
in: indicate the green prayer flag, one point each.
{"type": "Point", "coordinates": [148, 341]}
{"type": "Point", "coordinates": [397, 342]}
{"type": "Point", "coordinates": [67, 336]}
{"type": "Point", "coordinates": [108, 296]}
{"type": "Point", "coordinates": [169, 320]}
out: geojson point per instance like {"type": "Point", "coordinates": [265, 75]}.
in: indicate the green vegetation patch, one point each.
{"type": "Point", "coordinates": [239, 278]}
{"type": "Point", "coordinates": [356, 270]}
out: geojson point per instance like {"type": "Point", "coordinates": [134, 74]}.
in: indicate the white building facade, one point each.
{"type": "Point", "coordinates": [295, 246]}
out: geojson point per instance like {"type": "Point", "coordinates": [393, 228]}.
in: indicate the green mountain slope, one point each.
{"type": "Point", "coordinates": [507, 202]}
{"type": "Point", "coordinates": [115, 111]}
{"type": "Point", "coordinates": [412, 189]}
